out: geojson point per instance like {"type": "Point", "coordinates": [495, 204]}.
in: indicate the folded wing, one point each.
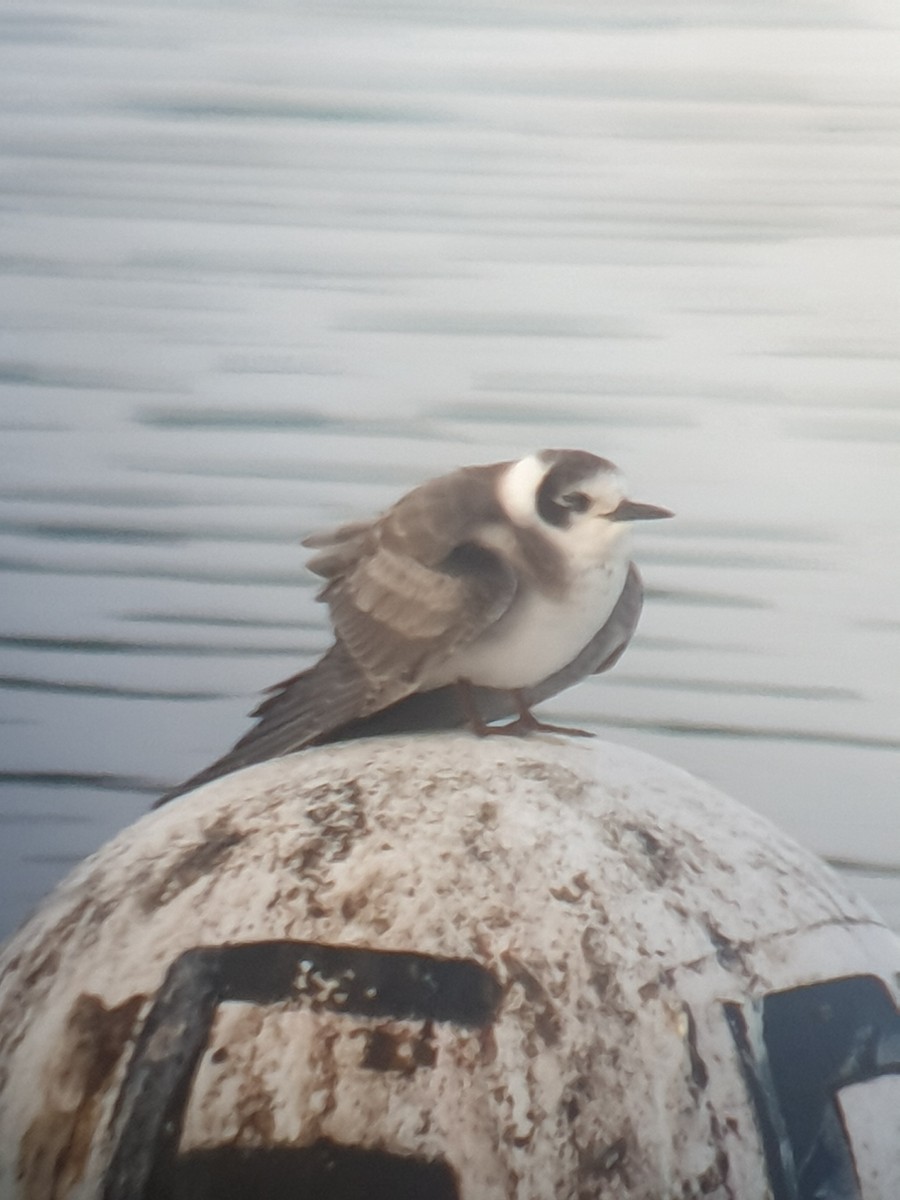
{"type": "Point", "coordinates": [405, 591]}
{"type": "Point", "coordinates": [439, 708]}
{"type": "Point", "coordinates": [401, 599]}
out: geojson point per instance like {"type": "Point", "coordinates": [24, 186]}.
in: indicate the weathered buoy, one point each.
{"type": "Point", "coordinates": [451, 969]}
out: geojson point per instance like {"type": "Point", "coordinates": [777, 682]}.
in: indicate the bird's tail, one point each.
{"type": "Point", "coordinates": [298, 712]}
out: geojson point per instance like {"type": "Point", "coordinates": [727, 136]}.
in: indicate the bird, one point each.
{"type": "Point", "coordinates": [471, 599]}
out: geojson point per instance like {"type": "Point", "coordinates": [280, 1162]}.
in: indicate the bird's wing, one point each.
{"type": "Point", "coordinates": [439, 708]}
{"type": "Point", "coordinates": [403, 592]}
{"type": "Point", "coordinates": [332, 701]}
{"type": "Point", "coordinates": [412, 586]}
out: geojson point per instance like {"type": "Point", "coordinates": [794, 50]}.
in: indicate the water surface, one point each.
{"type": "Point", "coordinates": [265, 267]}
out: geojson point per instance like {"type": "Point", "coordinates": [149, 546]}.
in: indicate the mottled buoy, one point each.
{"type": "Point", "coordinates": [451, 969]}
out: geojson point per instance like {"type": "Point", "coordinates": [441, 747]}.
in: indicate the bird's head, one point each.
{"type": "Point", "coordinates": [578, 499]}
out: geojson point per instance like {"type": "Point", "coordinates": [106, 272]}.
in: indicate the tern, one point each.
{"type": "Point", "coordinates": [475, 596]}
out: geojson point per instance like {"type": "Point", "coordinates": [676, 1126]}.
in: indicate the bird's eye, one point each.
{"type": "Point", "coordinates": [576, 501]}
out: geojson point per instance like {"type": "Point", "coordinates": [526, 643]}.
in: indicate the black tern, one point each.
{"type": "Point", "coordinates": [474, 597]}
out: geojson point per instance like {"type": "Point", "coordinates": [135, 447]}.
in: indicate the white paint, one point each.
{"type": "Point", "coordinates": [870, 1112]}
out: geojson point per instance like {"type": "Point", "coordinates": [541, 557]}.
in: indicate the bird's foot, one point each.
{"type": "Point", "coordinates": [528, 723]}
{"type": "Point", "coordinates": [522, 728]}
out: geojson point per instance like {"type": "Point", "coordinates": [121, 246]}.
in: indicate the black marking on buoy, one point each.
{"type": "Point", "coordinates": [356, 981]}
{"type": "Point", "coordinates": [797, 1049]}
{"type": "Point", "coordinates": [325, 1170]}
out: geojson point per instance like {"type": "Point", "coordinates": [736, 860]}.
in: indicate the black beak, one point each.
{"type": "Point", "coordinates": [631, 510]}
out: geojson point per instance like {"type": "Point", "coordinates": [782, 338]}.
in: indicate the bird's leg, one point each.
{"type": "Point", "coordinates": [474, 719]}
{"type": "Point", "coordinates": [525, 723]}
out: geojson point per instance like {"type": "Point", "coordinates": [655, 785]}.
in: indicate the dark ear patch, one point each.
{"type": "Point", "coordinates": [570, 468]}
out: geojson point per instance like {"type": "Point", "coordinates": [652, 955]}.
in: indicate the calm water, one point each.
{"type": "Point", "coordinates": [268, 265]}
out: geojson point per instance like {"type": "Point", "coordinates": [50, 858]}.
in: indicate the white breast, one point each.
{"type": "Point", "coordinates": [538, 635]}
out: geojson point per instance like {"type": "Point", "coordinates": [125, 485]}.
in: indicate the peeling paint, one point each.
{"type": "Point", "coordinates": [56, 1145]}
{"type": "Point", "coordinates": [197, 861]}
{"type": "Point", "coordinates": [397, 1049]}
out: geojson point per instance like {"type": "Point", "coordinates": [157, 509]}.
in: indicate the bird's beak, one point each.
{"type": "Point", "coordinates": [631, 510]}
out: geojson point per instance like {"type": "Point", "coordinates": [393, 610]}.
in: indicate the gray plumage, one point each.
{"type": "Point", "coordinates": [438, 571]}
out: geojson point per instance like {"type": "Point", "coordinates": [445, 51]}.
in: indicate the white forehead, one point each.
{"type": "Point", "coordinates": [519, 485]}
{"type": "Point", "coordinates": [518, 488]}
